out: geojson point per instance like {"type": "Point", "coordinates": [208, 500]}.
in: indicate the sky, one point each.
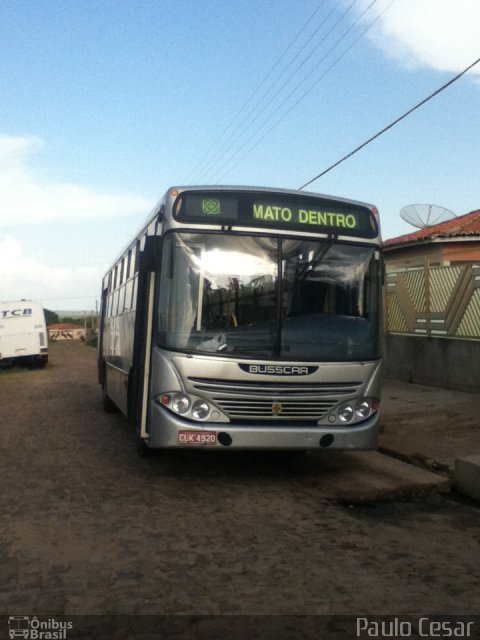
{"type": "Point", "coordinates": [105, 104]}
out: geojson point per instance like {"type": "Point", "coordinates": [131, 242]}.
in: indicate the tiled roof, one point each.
{"type": "Point", "coordinates": [467, 225]}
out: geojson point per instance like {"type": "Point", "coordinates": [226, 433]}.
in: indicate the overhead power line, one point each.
{"type": "Point", "coordinates": [259, 139]}
{"type": "Point", "coordinates": [247, 105]}
{"type": "Point", "coordinates": [261, 112]}
{"type": "Point", "coordinates": [392, 124]}
{"type": "Point", "coordinates": [285, 77]}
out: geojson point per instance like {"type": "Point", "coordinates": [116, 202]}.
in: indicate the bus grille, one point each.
{"type": "Point", "coordinates": [305, 402]}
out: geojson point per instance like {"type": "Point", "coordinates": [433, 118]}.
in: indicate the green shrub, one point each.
{"type": "Point", "coordinates": [92, 340]}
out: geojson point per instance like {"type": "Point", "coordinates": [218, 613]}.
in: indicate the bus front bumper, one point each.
{"type": "Point", "coordinates": [168, 430]}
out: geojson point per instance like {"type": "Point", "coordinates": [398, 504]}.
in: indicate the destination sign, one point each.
{"type": "Point", "coordinates": [267, 212]}
{"type": "Point", "coordinates": [302, 213]}
{"type": "Point", "coordinates": [212, 208]}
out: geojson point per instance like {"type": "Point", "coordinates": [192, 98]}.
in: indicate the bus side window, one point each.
{"type": "Point", "coordinates": [121, 300]}
{"type": "Point", "coordinates": [136, 257]}
{"type": "Point", "coordinates": [134, 293]}
{"type": "Point", "coordinates": [128, 270]}
{"type": "Point", "coordinates": [108, 311]}
{"type": "Point", "coordinates": [128, 296]}
{"type": "Point", "coordinates": [115, 303]}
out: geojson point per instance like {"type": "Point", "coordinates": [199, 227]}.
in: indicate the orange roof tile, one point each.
{"type": "Point", "coordinates": [466, 225]}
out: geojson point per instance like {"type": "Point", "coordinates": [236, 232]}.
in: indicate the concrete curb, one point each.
{"type": "Point", "coordinates": [466, 476]}
{"type": "Point", "coordinates": [368, 476]}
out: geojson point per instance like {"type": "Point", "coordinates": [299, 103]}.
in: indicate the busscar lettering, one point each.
{"type": "Point", "coordinates": [279, 369]}
{"type": "Point", "coordinates": [284, 370]}
{"type": "Point", "coordinates": [273, 213]}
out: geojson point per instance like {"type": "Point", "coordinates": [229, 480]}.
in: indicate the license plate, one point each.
{"type": "Point", "coordinates": [197, 437]}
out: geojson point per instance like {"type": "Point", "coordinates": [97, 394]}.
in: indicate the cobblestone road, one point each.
{"type": "Point", "coordinates": [90, 527]}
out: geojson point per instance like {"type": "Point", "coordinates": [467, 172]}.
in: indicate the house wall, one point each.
{"type": "Point", "coordinates": [66, 334]}
{"type": "Point", "coordinates": [432, 317]}
{"type": "Point", "coordinates": [462, 252]}
{"type": "Point", "coordinates": [438, 362]}
{"type": "Point", "coordinates": [434, 301]}
{"type": "Point", "coordinates": [432, 253]}
{"type": "Point", "coordinates": [406, 257]}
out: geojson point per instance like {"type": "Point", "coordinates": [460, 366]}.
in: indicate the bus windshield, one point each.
{"type": "Point", "coordinates": [269, 297]}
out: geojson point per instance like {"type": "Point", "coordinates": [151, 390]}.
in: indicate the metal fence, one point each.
{"type": "Point", "coordinates": [434, 301]}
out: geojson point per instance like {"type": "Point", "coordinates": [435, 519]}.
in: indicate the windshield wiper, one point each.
{"type": "Point", "coordinates": [312, 265]}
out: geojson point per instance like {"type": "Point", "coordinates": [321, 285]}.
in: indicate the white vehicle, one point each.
{"type": "Point", "coordinates": [23, 332]}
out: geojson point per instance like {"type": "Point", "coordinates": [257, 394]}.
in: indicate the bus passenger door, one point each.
{"type": "Point", "coordinates": [101, 330]}
{"type": "Point", "coordinates": [139, 378]}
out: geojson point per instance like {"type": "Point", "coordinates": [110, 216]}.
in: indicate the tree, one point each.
{"type": "Point", "coordinates": [73, 320]}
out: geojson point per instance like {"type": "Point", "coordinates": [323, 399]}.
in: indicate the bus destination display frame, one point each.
{"type": "Point", "coordinates": [284, 212]}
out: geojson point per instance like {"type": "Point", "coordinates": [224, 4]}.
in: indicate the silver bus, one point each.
{"type": "Point", "coordinates": [247, 318]}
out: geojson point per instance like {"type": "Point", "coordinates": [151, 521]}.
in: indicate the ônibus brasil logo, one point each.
{"type": "Point", "coordinates": [34, 629]}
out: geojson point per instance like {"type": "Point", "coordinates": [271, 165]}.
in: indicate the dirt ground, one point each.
{"type": "Point", "coordinates": [89, 527]}
{"type": "Point", "coordinates": [429, 425]}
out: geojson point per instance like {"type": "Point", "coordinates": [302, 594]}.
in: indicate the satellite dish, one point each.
{"type": "Point", "coordinates": [425, 215]}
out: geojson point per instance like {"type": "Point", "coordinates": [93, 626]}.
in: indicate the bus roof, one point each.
{"type": "Point", "coordinates": [175, 191]}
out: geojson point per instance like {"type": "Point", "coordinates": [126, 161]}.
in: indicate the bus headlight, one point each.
{"type": "Point", "coordinates": [181, 403]}
{"type": "Point", "coordinates": [346, 413]}
{"type": "Point", "coordinates": [200, 410]}
{"type": "Point", "coordinates": [354, 411]}
{"type": "Point", "coordinates": [191, 407]}
{"type": "Point", "coordinates": [363, 410]}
